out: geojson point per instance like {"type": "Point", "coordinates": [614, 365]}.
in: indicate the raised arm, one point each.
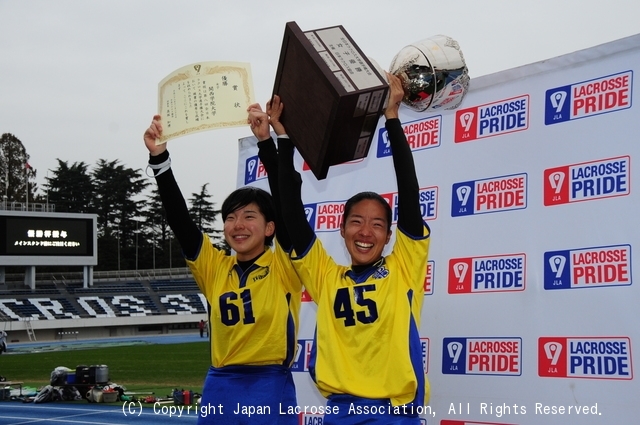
{"type": "Point", "coordinates": [409, 214]}
{"type": "Point", "coordinates": [259, 122]}
{"type": "Point", "coordinates": [187, 233]}
{"type": "Point", "coordinates": [293, 212]}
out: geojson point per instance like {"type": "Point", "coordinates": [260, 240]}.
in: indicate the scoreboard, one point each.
{"type": "Point", "coordinates": [38, 239]}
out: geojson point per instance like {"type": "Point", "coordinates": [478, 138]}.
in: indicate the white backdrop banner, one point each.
{"type": "Point", "coordinates": [531, 314]}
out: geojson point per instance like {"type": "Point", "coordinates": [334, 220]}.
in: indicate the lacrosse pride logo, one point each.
{"type": "Point", "coordinates": [557, 100]}
{"type": "Point", "coordinates": [500, 356]}
{"type": "Point", "coordinates": [588, 98]}
{"type": "Point", "coordinates": [254, 170]}
{"type": "Point", "coordinates": [463, 193]}
{"type": "Point", "coordinates": [490, 195]}
{"type": "Point", "coordinates": [556, 181]}
{"type": "Point", "coordinates": [549, 358]}
{"type": "Point", "coordinates": [552, 350]}
{"type": "Point", "coordinates": [310, 418]}
{"type": "Point", "coordinates": [466, 119]}
{"type": "Point", "coordinates": [556, 265]}
{"type": "Point", "coordinates": [587, 181]}
{"type": "Point", "coordinates": [588, 267]}
{"type": "Point", "coordinates": [458, 281]}
{"type": "Point", "coordinates": [327, 216]}
{"type": "Point", "coordinates": [424, 343]}
{"type": "Point", "coordinates": [493, 273]}
{"type": "Point", "coordinates": [460, 205]}
{"type": "Point", "coordinates": [454, 351]}
{"type": "Point", "coordinates": [585, 357]}
{"type": "Point", "coordinates": [428, 203]}
{"type": "Point", "coordinates": [421, 134]}
{"type": "Point", "coordinates": [428, 279]}
{"type": "Point", "coordinates": [492, 119]}
{"type": "Point", "coordinates": [303, 355]}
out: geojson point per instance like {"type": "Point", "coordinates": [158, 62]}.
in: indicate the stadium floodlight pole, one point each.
{"type": "Point", "coordinates": [26, 180]}
{"type": "Point", "coordinates": [118, 247]}
{"type": "Point", "coordinates": [136, 245]}
{"type": "Point", "coordinates": [154, 250]}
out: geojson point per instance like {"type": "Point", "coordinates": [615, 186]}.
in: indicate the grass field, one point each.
{"type": "Point", "coordinates": [153, 367]}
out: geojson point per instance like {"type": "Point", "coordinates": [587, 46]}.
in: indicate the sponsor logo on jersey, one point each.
{"type": "Point", "coordinates": [588, 98]}
{"type": "Point", "coordinates": [327, 216]}
{"type": "Point", "coordinates": [494, 273]}
{"type": "Point", "coordinates": [585, 357]}
{"type": "Point", "coordinates": [428, 279]}
{"type": "Point", "coordinates": [421, 134]}
{"type": "Point", "coordinates": [588, 267]}
{"type": "Point", "coordinates": [303, 354]}
{"type": "Point", "coordinates": [482, 356]}
{"type": "Point", "coordinates": [587, 181]}
{"type": "Point", "coordinates": [492, 119]}
{"type": "Point", "coordinates": [254, 170]}
{"type": "Point", "coordinates": [494, 194]}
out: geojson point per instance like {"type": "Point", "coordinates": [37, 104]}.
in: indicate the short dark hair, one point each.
{"type": "Point", "coordinates": [361, 197]}
{"type": "Point", "coordinates": [244, 196]}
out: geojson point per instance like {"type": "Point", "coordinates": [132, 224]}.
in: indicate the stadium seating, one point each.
{"type": "Point", "coordinates": [105, 299]}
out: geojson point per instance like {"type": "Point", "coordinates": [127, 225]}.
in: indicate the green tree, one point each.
{"type": "Point", "coordinates": [116, 189]}
{"type": "Point", "coordinates": [165, 248]}
{"type": "Point", "coordinates": [204, 214]}
{"type": "Point", "coordinates": [71, 188]}
{"type": "Point", "coordinates": [155, 215]}
{"type": "Point", "coordinates": [17, 177]}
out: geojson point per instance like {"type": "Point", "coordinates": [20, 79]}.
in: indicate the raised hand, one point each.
{"type": "Point", "coordinates": [258, 121]}
{"type": "Point", "coordinates": [396, 93]}
{"type": "Point", "coordinates": [151, 134]}
{"type": "Point", "coordinates": [274, 111]}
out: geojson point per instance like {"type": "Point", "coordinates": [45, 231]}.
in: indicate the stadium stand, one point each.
{"type": "Point", "coordinates": [156, 301]}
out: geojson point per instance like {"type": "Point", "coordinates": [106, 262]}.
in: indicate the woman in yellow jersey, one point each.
{"type": "Point", "coordinates": [254, 297]}
{"type": "Point", "coordinates": [367, 356]}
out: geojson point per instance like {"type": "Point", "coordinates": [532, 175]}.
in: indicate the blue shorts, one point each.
{"type": "Point", "coordinates": [251, 395]}
{"type": "Point", "coordinates": [351, 410]}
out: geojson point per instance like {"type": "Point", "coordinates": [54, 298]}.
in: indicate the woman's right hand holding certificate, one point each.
{"type": "Point", "coordinates": [153, 133]}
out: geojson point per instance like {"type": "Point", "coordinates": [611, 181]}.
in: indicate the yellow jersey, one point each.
{"type": "Point", "coordinates": [254, 314]}
{"type": "Point", "coordinates": [367, 342]}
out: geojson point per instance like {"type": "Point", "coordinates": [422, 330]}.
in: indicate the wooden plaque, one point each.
{"type": "Point", "coordinates": [333, 96]}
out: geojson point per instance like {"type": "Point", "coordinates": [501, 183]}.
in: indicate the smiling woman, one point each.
{"type": "Point", "coordinates": [249, 222]}
{"type": "Point", "coordinates": [367, 227]}
{"type": "Point", "coordinates": [254, 296]}
{"type": "Point", "coordinates": [369, 312]}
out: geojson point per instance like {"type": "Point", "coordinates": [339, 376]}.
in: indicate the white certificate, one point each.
{"type": "Point", "coordinates": [204, 96]}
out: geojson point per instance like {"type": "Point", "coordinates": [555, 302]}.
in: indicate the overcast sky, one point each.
{"type": "Point", "coordinates": [79, 78]}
